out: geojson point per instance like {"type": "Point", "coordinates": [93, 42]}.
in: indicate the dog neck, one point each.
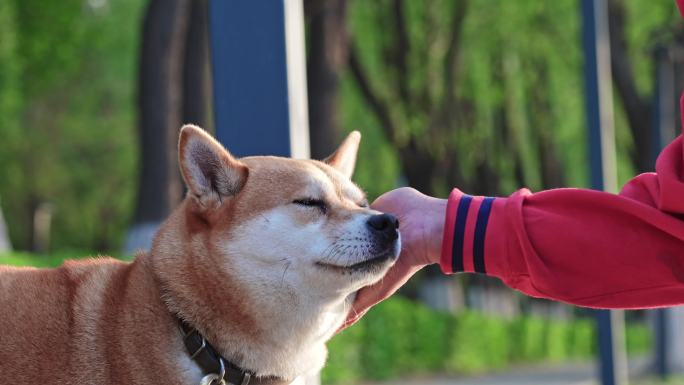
{"type": "Point", "coordinates": [211, 362]}
{"type": "Point", "coordinates": [270, 331]}
{"type": "Point", "coordinates": [283, 342]}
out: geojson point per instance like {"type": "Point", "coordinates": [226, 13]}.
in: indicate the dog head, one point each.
{"type": "Point", "coordinates": [265, 253]}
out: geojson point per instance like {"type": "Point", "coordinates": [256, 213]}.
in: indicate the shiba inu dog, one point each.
{"type": "Point", "coordinates": [246, 281]}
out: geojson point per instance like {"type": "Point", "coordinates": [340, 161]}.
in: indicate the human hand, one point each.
{"type": "Point", "coordinates": [421, 224]}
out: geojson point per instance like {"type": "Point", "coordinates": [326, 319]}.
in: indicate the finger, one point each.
{"type": "Point", "coordinates": [371, 295]}
{"type": "Point", "coordinates": [351, 319]}
{"type": "Point", "coordinates": [396, 199]}
{"type": "Point", "coordinates": [384, 202]}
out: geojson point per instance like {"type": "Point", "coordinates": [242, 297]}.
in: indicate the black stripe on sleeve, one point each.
{"type": "Point", "coordinates": [480, 232]}
{"type": "Point", "coordinates": [459, 231]}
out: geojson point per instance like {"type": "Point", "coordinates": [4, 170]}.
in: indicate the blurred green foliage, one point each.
{"type": "Point", "coordinates": [582, 337]}
{"type": "Point", "coordinates": [518, 82]}
{"type": "Point", "coordinates": [386, 340]}
{"type": "Point", "coordinates": [345, 358]}
{"type": "Point", "coordinates": [639, 339]}
{"type": "Point", "coordinates": [67, 101]}
{"type": "Point", "coordinates": [478, 343]}
{"type": "Point", "coordinates": [67, 81]}
{"type": "Point", "coordinates": [9, 67]}
{"type": "Point", "coordinates": [527, 334]}
{"type": "Point", "coordinates": [429, 325]}
{"type": "Point", "coordinates": [399, 337]}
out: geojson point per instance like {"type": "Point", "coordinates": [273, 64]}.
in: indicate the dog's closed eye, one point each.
{"type": "Point", "coordinates": [312, 202]}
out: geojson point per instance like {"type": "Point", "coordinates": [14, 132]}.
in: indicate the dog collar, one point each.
{"type": "Point", "coordinates": [209, 360]}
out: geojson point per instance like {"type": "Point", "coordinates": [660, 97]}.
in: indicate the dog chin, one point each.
{"type": "Point", "coordinates": [373, 265]}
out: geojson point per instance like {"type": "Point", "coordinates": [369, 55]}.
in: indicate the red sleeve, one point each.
{"type": "Point", "coordinates": [583, 247]}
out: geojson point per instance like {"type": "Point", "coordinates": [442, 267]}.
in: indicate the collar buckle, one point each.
{"type": "Point", "coordinates": [210, 361]}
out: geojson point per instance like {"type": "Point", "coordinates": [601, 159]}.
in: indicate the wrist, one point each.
{"type": "Point", "coordinates": [448, 223]}
{"type": "Point", "coordinates": [434, 229]}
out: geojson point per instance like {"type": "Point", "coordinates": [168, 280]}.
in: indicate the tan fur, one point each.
{"type": "Point", "coordinates": [102, 321]}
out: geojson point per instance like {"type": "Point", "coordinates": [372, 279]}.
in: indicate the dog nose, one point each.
{"type": "Point", "coordinates": [384, 224]}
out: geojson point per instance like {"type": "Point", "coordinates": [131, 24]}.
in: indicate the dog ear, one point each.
{"type": "Point", "coordinates": [344, 158]}
{"type": "Point", "coordinates": [210, 172]}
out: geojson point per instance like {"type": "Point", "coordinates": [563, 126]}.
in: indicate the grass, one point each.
{"type": "Point", "coordinates": [51, 260]}
{"type": "Point", "coordinates": [677, 380]}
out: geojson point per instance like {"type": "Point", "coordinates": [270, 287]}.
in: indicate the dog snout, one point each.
{"type": "Point", "coordinates": [384, 225]}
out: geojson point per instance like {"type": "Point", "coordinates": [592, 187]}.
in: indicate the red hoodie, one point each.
{"type": "Point", "coordinates": [584, 247]}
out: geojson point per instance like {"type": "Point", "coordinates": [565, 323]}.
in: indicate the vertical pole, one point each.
{"type": "Point", "coordinates": [664, 133]}
{"type": "Point", "coordinates": [599, 100]}
{"type": "Point", "coordinates": [665, 102]}
{"type": "Point", "coordinates": [259, 80]}
{"type": "Point", "coordinates": [662, 366]}
{"type": "Point", "coordinates": [601, 135]}
{"type": "Point", "coordinates": [259, 76]}
{"type": "Point", "coordinates": [295, 45]}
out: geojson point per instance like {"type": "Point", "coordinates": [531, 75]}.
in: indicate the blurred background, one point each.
{"type": "Point", "coordinates": [484, 95]}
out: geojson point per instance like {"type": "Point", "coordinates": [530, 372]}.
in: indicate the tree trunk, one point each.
{"type": "Point", "coordinates": [328, 53]}
{"type": "Point", "coordinates": [196, 82]}
{"type": "Point", "coordinates": [160, 103]}
{"type": "Point", "coordinates": [679, 84]}
{"type": "Point", "coordinates": [637, 107]}
{"type": "Point", "coordinates": [418, 167]}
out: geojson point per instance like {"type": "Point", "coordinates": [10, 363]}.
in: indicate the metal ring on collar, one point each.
{"type": "Point", "coordinates": [223, 368]}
